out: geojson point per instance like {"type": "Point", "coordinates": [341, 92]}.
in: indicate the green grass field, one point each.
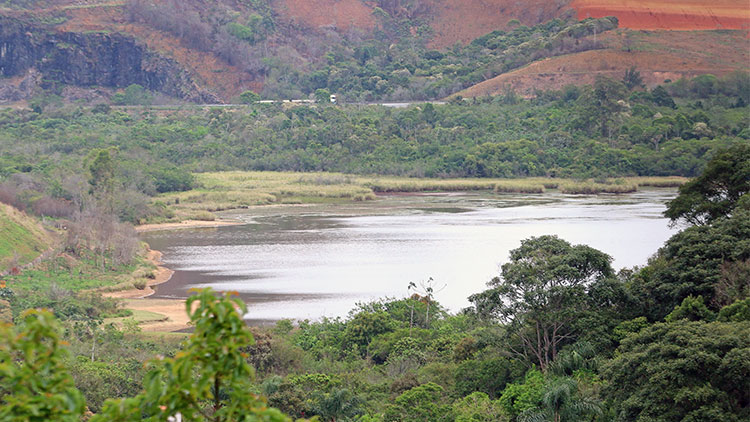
{"type": "Point", "coordinates": [138, 316]}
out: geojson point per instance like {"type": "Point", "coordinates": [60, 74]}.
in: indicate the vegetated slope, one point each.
{"type": "Point", "coordinates": [465, 20]}
{"type": "Point", "coordinates": [658, 56]}
{"type": "Point", "coordinates": [451, 21]}
{"type": "Point", "coordinates": [208, 70]}
{"type": "Point", "coordinates": [22, 238]}
{"type": "Point", "coordinates": [669, 14]}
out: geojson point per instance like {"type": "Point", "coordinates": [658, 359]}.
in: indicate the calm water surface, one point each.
{"type": "Point", "coordinates": [312, 261]}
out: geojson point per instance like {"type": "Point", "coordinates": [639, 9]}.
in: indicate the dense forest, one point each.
{"type": "Point", "coordinates": [613, 128]}
{"type": "Point", "coordinates": [559, 335]}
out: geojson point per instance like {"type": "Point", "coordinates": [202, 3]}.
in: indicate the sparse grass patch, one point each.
{"type": "Point", "coordinates": [205, 216]}
{"type": "Point", "coordinates": [519, 186]}
{"type": "Point", "coordinates": [405, 184]}
{"type": "Point", "coordinates": [138, 317]}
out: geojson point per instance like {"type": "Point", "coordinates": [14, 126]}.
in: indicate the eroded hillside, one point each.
{"type": "Point", "coordinates": [669, 14]}
{"type": "Point", "coordinates": [212, 51]}
{"type": "Point", "coordinates": [659, 56]}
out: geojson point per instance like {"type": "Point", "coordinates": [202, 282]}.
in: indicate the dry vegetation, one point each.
{"type": "Point", "coordinates": [340, 14]}
{"type": "Point", "coordinates": [462, 21]}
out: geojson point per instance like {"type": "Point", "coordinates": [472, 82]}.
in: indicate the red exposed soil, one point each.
{"type": "Point", "coordinates": [464, 20]}
{"type": "Point", "coordinates": [669, 14]}
{"type": "Point", "coordinates": [451, 20]}
{"type": "Point", "coordinates": [656, 55]}
{"type": "Point", "coordinates": [340, 14]}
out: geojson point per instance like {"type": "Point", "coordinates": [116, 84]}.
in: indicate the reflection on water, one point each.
{"type": "Point", "coordinates": [307, 262]}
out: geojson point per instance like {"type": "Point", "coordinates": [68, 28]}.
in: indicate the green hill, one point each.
{"type": "Point", "coordinates": [22, 238]}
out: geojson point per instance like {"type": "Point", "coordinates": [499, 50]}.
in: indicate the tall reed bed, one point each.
{"type": "Point", "coordinates": [659, 182]}
{"type": "Point", "coordinates": [592, 188]}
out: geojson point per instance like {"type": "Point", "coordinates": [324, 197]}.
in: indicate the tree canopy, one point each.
{"type": "Point", "coordinates": [717, 191]}
{"type": "Point", "coordinates": [540, 292]}
{"type": "Point", "coordinates": [682, 371]}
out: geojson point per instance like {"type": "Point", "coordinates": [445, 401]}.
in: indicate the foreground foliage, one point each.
{"type": "Point", "coordinates": [34, 383]}
{"type": "Point", "coordinates": [209, 379]}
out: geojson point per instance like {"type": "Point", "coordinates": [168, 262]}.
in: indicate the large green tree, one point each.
{"type": "Point", "coordinates": [541, 291]}
{"type": "Point", "coordinates": [699, 261]}
{"type": "Point", "coordinates": [424, 403]}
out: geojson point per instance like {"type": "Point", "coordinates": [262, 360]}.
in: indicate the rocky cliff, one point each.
{"type": "Point", "coordinates": [92, 59]}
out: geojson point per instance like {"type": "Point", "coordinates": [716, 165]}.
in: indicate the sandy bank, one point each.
{"type": "Point", "coordinates": [173, 309]}
{"type": "Point", "coordinates": [187, 224]}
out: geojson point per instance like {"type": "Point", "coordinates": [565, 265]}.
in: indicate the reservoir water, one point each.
{"type": "Point", "coordinates": [305, 262]}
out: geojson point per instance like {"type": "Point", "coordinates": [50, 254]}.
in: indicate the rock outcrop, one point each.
{"type": "Point", "coordinates": [92, 59]}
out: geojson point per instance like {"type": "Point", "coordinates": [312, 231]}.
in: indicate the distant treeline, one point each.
{"type": "Point", "coordinates": [602, 130]}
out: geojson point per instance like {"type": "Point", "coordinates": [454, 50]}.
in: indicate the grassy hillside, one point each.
{"type": "Point", "coordinates": [22, 238]}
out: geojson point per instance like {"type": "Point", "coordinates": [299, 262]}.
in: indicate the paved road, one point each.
{"type": "Point", "coordinates": [184, 106]}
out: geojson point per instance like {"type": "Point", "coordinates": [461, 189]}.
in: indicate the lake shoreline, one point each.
{"type": "Point", "coordinates": [288, 262]}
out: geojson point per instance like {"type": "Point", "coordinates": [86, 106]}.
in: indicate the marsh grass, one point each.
{"type": "Point", "coordinates": [237, 189]}
{"type": "Point", "coordinates": [659, 182]}
{"type": "Point", "coordinates": [592, 188]}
